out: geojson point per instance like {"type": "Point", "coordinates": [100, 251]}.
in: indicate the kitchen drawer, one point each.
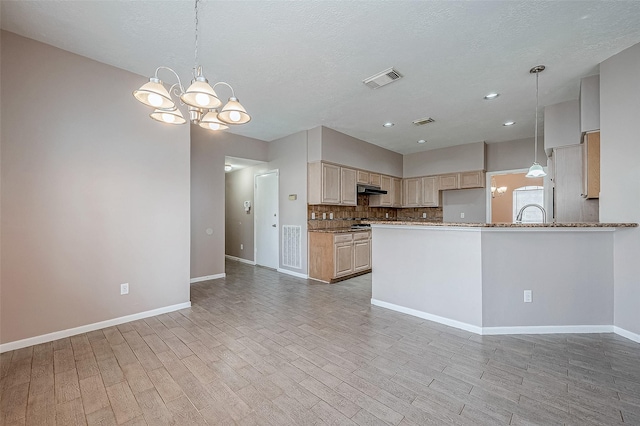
{"type": "Point", "coordinates": [342, 238]}
{"type": "Point", "coordinates": [357, 236]}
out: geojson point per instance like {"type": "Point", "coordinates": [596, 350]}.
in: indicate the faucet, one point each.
{"type": "Point", "coordinates": [544, 212]}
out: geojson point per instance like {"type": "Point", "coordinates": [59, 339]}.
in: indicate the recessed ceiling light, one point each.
{"type": "Point", "coordinates": [228, 167]}
{"type": "Point", "coordinates": [491, 96]}
{"type": "Point", "coordinates": [388, 124]}
{"type": "Point", "coordinates": [509, 123]}
{"type": "Point", "coordinates": [421, 141]}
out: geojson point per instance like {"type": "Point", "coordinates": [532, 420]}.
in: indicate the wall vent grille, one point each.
{"type": "Point", "coordinates": [423, 121]}
{"type": "Point", "coordinates": [382, 78]}
{"type": "Point", "coordinates": [292, 246]}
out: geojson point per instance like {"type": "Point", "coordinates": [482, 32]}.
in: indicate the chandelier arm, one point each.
{"type": "Point", "coordinates": [233, 93]}
{"type": "Point", "coordinates": [174, 73]}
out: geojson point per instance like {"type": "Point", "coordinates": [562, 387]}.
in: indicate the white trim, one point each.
{"type": "Point", "coordinates": [18, 344]}
{"type": "Point", "coordinates": [295, 274]}
{"type": "Point", "coordinates": [239, 259]}
{"type": "Point", "coordinates": [625, 333]}
{"type": "Point", "coordinates": [548, 329]}
{"type": "Point", "coordinates": [420, 314]}
{"type": "Point", "coordinates": [207, 278]}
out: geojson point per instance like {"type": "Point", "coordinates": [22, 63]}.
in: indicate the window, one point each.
{"type": "Point", "coordinates": [528, 195]}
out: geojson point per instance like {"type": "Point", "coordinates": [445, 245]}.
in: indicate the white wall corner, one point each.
{"type": "Point", "coordinates": [628, 334]}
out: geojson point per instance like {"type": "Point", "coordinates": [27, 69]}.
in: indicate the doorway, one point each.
{"type": "Point", "coordinates": [510, 190]}
{"type": "Point", "coordinates": [267, 220]}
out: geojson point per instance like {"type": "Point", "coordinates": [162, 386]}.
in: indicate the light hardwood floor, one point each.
{"type": "Point", "coordinates": [262, 348]}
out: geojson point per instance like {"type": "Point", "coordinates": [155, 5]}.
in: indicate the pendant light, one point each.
{"type": "Point", "coordinates": [200, 97]}
{"type": "Point", "coordinates": [536, 169]}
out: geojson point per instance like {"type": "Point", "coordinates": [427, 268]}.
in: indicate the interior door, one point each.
{"type": "Point", "coordinates": [267, 220]}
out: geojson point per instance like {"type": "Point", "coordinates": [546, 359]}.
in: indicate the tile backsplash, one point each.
{"type": "Point", "coordinates": [345, 216]}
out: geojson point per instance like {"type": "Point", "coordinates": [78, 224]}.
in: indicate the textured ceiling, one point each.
{"type": "Point", "coordinates": [297, 65]}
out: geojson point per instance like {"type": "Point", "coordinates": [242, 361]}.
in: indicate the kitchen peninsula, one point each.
{"type": "Point", "coordinates": [475, 276]}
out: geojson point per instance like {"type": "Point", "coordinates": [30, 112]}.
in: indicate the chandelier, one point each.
{"type": "Point", "coordinates": [200, 98]}
{"type": "Point", "coordinates": [497, 190]}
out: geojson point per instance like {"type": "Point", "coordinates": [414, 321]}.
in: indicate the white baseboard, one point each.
{"type": "Point", "coordinates": [18, 344]}
{"type": "Point", "coordinates": [295, 274]}
{"type": "Point", "coordinates": [207, 278]}
{"type": "Point", "coordinates": [625, 333]}
{"type": "Point", "coordinates": [548, 329]}
{"type": "Point", "coordinates": [239, 259]}
{"type": "Point", "coordinates": [435, 318]}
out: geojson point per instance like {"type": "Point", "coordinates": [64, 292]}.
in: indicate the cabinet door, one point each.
{"type": "Point", "coordinates": [471, 179]}
{"type": "Point", "coordinates": [396, 186]}
{"type": "Point", "coordinates": [412, 192]}
{"type": "Point", "coordinates": [385, 199]}
{"type": "Point", "coordinates": [343, 259]}
{"type": "Point", "coordinates": [430, 193]}
{"type": "Point", "coordinates": [361, 255]}
{"type": "Point", "coordinates": [348, 194]}
{"type": "Point", "coordinates": [374, 179]}
{"type": "Point", "coordinates": [591, 165]}
{"type": "Point", "coordinates": [448, 182]}
{"type": "Point", "coordinates": [363, 177]}
{"type": "Point", "coordinates": [330, 184]}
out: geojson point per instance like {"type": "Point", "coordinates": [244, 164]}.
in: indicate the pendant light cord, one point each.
{"type": "Point", "coordinates": [195, 67]}
{"type": "Point", "coordinates": [535, 153]}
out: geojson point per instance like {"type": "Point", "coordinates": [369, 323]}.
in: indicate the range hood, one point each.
{"type": "Point", "coordinates": [370, 190]}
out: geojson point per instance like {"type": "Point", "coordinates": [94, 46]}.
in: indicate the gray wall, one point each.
{"type": "Point", "coordinates": [561, 124]}
{"type": "Point", "coordinates": [459, 158]}
{"type": "Point", "coordinates": [289, 156]}
{"type": "Point", "coordinates": [590, 103]}
{"type": "Point", "coordinates": [94, 194]}
{"type": "Point", "coordinates": [471, 202]}
{"type": "Point", "coordinates": [239, 223]}
{"type": "Point", "coordinates": [514, 155]}
{"type": "Point", "coordinates": [208, 150]}
{"type": "Point", "coordinates": [620, 176]}
{"type": "Point", "coordinates": [349, 151]}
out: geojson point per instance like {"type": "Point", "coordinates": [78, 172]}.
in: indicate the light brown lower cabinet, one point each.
{"type": "Point", "coordinates": [337, 256]}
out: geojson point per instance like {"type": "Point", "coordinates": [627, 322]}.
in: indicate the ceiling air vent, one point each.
{"type": "Point", "coordinates": [423, 121]}
{"type": "Point", "coordinates": [382, 78]}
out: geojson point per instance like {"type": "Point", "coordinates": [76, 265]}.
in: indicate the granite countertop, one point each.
{"type": "Point", "coordinates": [339, 230]}
{"type": "Point", "coordinates": [507, 225]}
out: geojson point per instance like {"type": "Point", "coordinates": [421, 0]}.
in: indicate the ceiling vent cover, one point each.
{"type": "Point", "coordinates": [382, 78]}
{"type": "Point", "coordinates": [423, 121]}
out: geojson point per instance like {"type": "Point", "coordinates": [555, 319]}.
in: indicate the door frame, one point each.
{"type": "Point", "coordinates": [255, 216]}
{"type": "Point", "coordinates": [547, 183]}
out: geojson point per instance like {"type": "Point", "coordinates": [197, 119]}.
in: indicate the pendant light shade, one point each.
{"type": "Point", "coordinates": [210, 121]}
{"type": "Point", "coordinates": [201, 95]}
{"type": "Point", "coordinates": [154, 94]}
{"type": "Point", "coordinates": [173, 116]}
{"type": "Point", "coordinates": [234, 113]}
{"type": "Point", "coordinates": [536, 169]}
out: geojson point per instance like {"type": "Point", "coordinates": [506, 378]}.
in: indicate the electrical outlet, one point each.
{"type": "Point", "coordinates": [527, 296]}
{"type": "Point", "coordinates": [324, 215]}
{"type": "Point", "coordinates": [424, 215]}
{"type": "Point", "coordinates": [386, 215]}
{"type": "Point", "coordinates": [330, 216]}
{"type": "Point", "coordinates": [313, 215]}
{"type": "Point", "coordinates": [124, 288]}
{"type": "Point", "coordinates": [461, 215]}
{"type": "Point", "coordinates": [241, 246]}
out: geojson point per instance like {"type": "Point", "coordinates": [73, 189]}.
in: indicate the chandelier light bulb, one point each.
{"type": "Point", "coordinates": [202, 99]}
{"type": "Point", "coordinates": [234, 116]}
{"type": "Point", "coordinates": [214, 126]}
{"type": "Point", "coordinates": [168, 118]}
{"type": "Point", "coordinates": [155, 99]}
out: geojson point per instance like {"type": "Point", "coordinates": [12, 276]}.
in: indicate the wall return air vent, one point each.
{"type": "Point", "coordinates": [382, 78]}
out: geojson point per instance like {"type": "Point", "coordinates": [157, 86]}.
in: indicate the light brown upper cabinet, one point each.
{"type": "Point", "coordinates": [430, 192]}
{"type": "Point", "coordinates": [449, 181]}
{"type": "Point", "coordinates": [396, 191]}
{"type": "Point", "coordinates": [591, 165]}
{"type": "Point", "coordinates": [374, 179]}
{"type": "Point", "coordinates": [348, 194]}
{"type": "Point", "coordinates": [331, 184]}
{"type": "Point", "coordinates": [412, 192]}
{"type": "Point", "coordinates": [471, 179]}
{"type": "Point", "coordinates": [363, 177]}
{"type": "Point", "coordinates": [384, 200]}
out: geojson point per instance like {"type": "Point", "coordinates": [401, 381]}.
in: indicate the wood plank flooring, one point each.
{"type": "Point", "coordinates": [262, 348]}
